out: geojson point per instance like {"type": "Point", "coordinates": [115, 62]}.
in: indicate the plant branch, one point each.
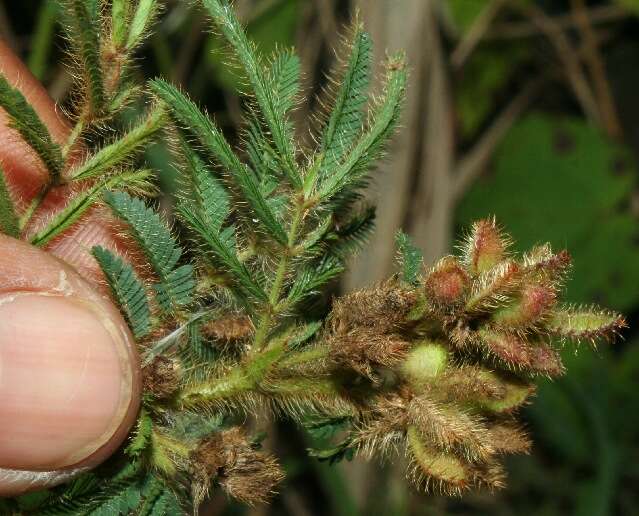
{"type": "Point", "coordinates": [596, 15]}
{"type": "Point", "coordinates": [475, 34]}
{"type": "Point", "coordinates": [568, 57]}
{"type": "Point", "coordinates": [597, 68]}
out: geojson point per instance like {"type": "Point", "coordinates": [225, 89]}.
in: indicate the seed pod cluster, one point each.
{"type": "Point", "coordinates": [462, 350]}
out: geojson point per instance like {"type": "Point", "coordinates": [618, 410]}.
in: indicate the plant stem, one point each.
{"type": "Point", "coordinates": [307, 355]}
{"type": "Point", "coordinates": [276, 288]}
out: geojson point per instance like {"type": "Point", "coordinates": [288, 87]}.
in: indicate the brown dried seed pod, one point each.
{"type": "Point", "coordinates": [364, 351]}
{"type": "Point", "coordinates": [246, 474]}
{"type": "Point", "coordinates": [161, 377]}
{"type": "Point", "coordinates": [381, 309]}
{"type": "Point", "coordinates": [229, 328]}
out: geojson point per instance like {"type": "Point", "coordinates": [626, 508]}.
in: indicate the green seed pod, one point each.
{"type": "Point", "coordinates": [425, 362]}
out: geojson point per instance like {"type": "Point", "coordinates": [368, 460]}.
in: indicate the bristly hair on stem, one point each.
{"type": "Point", "coordinates": [433, 362]}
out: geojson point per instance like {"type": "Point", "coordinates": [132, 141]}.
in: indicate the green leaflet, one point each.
{"type": "Point", "coordinates": [194, 121]}
{"type": "Point", "coordinates": [142, 19]}
{"type": "Point", "coordinates": [370, 145]}
{"type": "Point", "coordinates": [122, 503]}
{"type": "Point", "coordinates": [152, 497]}
{"type": "Point", "coordinates": [158, 499]}
{"type": "Point", "coordinates": [284, 74]}
{"type": "Point", "coordinates": [120, 11]}
{"type": "Point", "coordinates": [311, 278]}
{"type": "Point", "coordinates": [260, 154]}
{"type": "Point", "coordinates": [84, 200]}
{"type": "Point", "coordinates": [324, 431]}
{"type": "Point", "coordinates": [189, 117]}
{"type": "Point", "coordinates": [206, 191]}
{"type": "Point", "coordinates": [410, 258]}
{"type": "Point", "coordinates": [351, 235]}
{"type": "Point", "coordinates": [223, 17]}
{"type": "Point", "coordinates": [89, 494]}
{"type": "Point", "coordinates": [221, 247]}
{"type": "Point", "coordinates": [9, 224]}
{"type": "Point", "coordinates": [140, 440]}
{"type": "Point", "coordinates": [176, 284]}
{"type": "Point", "coordinates": [127, 290]}
{"type": "Point", "coordinates": [24, 119]}
{"type": "Point", "coordinates": [347, 116]}
{"type": "Point", "coordinates": [122, 149]}
{"type": "Point", "coordinates": [85, 33]}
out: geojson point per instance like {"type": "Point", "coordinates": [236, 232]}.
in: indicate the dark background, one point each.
{"type": "Point", "coordinates": [528, 110]}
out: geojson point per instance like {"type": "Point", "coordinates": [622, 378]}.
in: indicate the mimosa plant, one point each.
{"type": "Point", "coordinates": [433, 363]}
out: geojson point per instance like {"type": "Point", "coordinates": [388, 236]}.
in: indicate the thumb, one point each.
{"type": "Point", "coordinates": [69, 373]}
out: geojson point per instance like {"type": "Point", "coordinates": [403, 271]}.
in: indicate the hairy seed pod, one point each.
{"type": "Point", "coordinates": [516, 392]}
{"type": "Point", "coordinates": [161, 377]}
{"type": "Point", "coordinates": [532, 304]}
{"type": "Point", "coordinates": [364, 351]}
{"type": "Point", "coordinates": [447, 283]}
{"type": "Point", "coordinates": [425, 362]}
{"type": "Point", "coordinates": [486, 246]}
{"type": "Point", "coordinates": [382, 309]}
{"type": "Point", "coordinates": [245, 473]}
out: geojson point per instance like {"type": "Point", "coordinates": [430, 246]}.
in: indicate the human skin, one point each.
{"type": "Point", "coordinates": [69, 371]}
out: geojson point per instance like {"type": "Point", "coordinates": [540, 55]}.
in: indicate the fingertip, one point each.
{"type": "Point", "coordinates": [66, 381]}
{"type": "Point", "coordinates": [69, 371]}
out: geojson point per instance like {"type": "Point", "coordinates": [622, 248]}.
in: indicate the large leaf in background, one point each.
{"type": "Point", "coordinates": [563, 181]}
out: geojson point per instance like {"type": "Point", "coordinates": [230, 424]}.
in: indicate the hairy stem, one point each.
{"type": "Point", "coordinates": [276, 288]}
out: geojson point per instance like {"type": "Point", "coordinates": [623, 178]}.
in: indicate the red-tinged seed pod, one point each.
{"type": "Point", "coordinates": [546, 360]}
{"type": "Point", "coordinates": [532, 304]}
{"type": "Point", "coordinates": [447, 284]}
{"type": "Point", "coordinates": [542, 259]}
{"type": "Point", "coordinates": [506, 347]}
{"type": "Point", "coordinates": [486, 246]}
